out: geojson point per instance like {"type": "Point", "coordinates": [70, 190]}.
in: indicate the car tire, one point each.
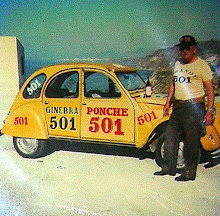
{"type": "Point", "coordinates": [30, 148]}
{"type": "Point", "coordinates": [160, 153]}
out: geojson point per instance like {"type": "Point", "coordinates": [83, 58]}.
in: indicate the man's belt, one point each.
{"type": "Point", "coordinates": [192, 100]}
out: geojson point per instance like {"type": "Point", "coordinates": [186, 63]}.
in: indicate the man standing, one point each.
{"type": "Point", "coordinates": [191, 76]}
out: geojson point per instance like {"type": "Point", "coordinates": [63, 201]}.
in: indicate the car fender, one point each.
{"type": "Point", "coordinates": [26, 121]}
{"type": "Point", "coordinates": [217, 115]}
{"type": "Point", "coordinates": [150, 132]}
{"type": "Point", "coordinates": [149, 116]}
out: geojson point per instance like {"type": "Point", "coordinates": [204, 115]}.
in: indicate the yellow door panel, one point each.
{"type": "Point", "coordinates": [62, 105]}
{"type": "Point", "coordinates": [107, 113]}
{"type": "Point", "coordinates": [62, 117]}
{"type": "Point", "coordinates": [108, 120]}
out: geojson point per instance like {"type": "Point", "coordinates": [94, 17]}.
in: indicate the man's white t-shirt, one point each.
{"type": "Point", "coordinates": [189, 79]}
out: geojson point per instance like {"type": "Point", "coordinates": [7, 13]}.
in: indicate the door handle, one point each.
{"type": "Point", "coordinates": [46, 102]}
{"type": "Point", "coordinates": [84, 103]}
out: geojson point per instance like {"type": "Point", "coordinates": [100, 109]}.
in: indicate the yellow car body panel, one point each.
{"type": "Point", "coordinates": [149, 117]}
{"type": "Point", "coordinates": [26, 121]}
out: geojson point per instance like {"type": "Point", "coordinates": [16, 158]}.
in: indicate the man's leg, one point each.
{"type": "Point", "coordinates": [173, 136]}
{"type": "Point", "coordinates": [192, 129]}
{"type": "Point", "coordinates": [191, 152]}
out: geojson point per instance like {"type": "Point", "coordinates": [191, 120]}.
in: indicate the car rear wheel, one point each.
{"type": "Point", "coordinates": [29, 148]}
{"type": "Point", "coordinates": [160, 153]}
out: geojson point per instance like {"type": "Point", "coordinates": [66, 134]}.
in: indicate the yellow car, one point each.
{"type": "Point", "coordinates": [86, 102]}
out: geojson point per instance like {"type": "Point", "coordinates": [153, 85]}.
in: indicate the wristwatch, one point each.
{"type": "Point", "coordinates": [212, 110]}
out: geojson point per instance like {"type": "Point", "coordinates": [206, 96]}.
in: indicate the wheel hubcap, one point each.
{"type": "Point", "coordinates": [27, 146]}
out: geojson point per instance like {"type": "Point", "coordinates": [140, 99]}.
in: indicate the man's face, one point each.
{"type": "Point", "coordinates": [187, 53]}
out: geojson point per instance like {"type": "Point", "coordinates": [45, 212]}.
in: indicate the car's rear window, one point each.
{"type": "Point", "coordinates": [33, 88]}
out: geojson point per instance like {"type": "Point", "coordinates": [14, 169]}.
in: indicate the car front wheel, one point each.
{"type": "Point", "coordinates": [29, 148]}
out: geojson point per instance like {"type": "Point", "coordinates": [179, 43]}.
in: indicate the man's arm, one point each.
{"type": "Point", "coordinates": [210, 104]}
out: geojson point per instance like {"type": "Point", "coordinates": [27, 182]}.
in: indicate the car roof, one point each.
{"type": "Point", "coordinates": [51, 69]}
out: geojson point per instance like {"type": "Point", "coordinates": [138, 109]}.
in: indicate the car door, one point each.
{"type": "Point", "coordinates": [61, 101]}
{"type": "Point", "coordinates": [107, 112]}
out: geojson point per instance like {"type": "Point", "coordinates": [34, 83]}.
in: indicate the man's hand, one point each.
{"type": "Point", "coordinates": [208, 118]}
{"type": "Point", "coordinates": [166, 109]}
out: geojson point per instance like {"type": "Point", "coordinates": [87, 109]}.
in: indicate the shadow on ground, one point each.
{"type": "Point", "coordinates": [214, 161]}
{"type": "Point", "coordinates": [94, 148]}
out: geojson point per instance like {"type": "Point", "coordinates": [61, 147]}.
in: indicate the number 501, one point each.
{"type": "Point", "coordinates": [106, 125]}
{"type": "Point", "coordinates": [63, 123]}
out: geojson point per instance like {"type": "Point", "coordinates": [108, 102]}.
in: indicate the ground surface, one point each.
{"type": "Point", "coordinates": [97, 180]}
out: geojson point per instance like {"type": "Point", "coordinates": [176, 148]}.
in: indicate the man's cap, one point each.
{"type": "Point", "coordinates": [187, 40]}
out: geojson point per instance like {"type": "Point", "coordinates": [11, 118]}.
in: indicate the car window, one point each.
{"type": "Point", "coordinates": [34, 87]}
{"type": "Point", "coordinates": [98, 85]}
{"type": "Point", "coordinates": [65, 85]}
{"type": "Point", "coordinates": [144, 75]}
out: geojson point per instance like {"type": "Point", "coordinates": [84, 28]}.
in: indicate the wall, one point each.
{"type": "Point", "coordinates": [11, 71]}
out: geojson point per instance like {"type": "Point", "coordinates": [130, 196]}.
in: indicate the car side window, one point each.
{"type": "Point", "coordinates": [65, 85]}
{"type": "Point", "coordinates": [34, 87]}
{"type": "Point", "coordinates": [98, 85]}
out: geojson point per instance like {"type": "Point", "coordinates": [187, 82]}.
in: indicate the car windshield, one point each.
{"type": "Point", "coordinates": [131, 81]}
{"type": "Point", "coordinates": [144, 74]}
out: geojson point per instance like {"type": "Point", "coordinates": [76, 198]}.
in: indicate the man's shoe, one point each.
{"type": "Point", "coordinates": [183, 178]}
{"type": "Point", "coordinates": [160, 173]}
{"type": "Point", "coordinates": [213, 163]}
{"type": "Point", "coordinates": [163, 173]}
